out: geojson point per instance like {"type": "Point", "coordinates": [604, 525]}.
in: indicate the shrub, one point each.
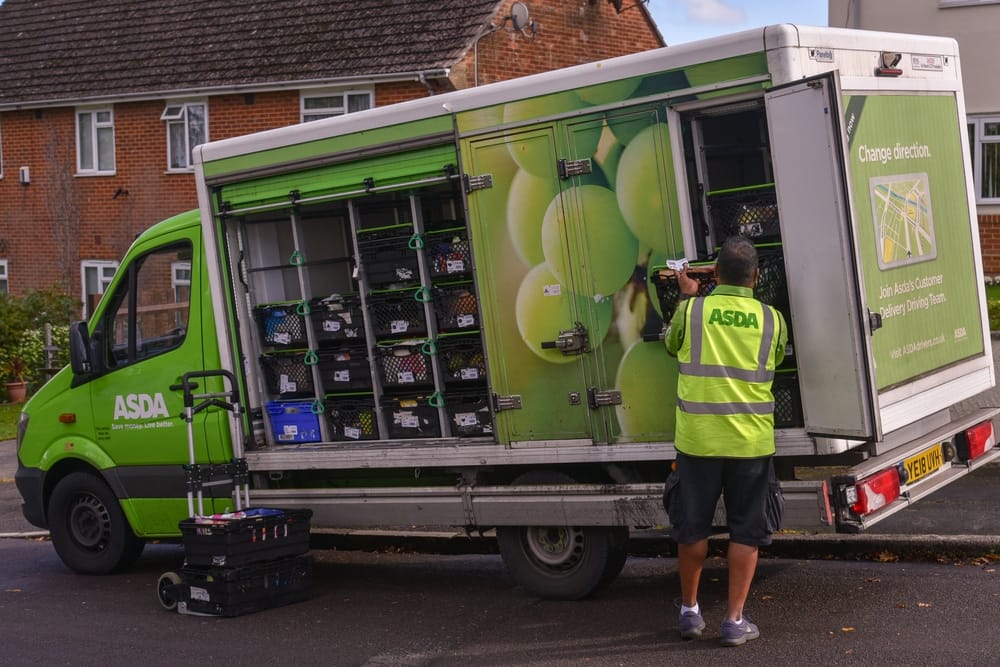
{"type": "Point", "coordinates": [22, 329]}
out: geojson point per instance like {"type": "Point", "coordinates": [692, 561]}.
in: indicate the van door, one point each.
{"type": "Point", "coordinates": [147, 336]}
{"type": "Point", "coordinates": [831, 333]}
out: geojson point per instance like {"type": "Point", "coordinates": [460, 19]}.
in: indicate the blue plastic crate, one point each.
{"type": "Point", "coordinates": [293, 422]}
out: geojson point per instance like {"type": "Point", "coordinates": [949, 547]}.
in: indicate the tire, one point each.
{"type": "Point", "coordinates": [617, 554]}
{"type": "Point", "coordinates": [561, 562]}
{"type": "Point", "coordinates": [89, 530]}
{"type": "Point", "coordinates": [166, 590]}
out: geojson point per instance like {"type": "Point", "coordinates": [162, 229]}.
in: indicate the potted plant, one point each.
{"type": "Point", "coordinates": [15, 369]}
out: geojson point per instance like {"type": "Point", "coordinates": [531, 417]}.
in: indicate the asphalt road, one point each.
{"type": "Point", "coordinates": [411, 609]}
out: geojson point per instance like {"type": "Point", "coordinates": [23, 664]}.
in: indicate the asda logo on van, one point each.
{"type": "Point", "coordinates": [733, 318]}
{"type": "Point", "coordinates": [140, 406]}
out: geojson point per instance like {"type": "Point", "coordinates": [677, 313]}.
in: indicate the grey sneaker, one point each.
{"type": "Point", "coordinates": [691, 625]}
{"type": "Point", "coordinates": [735, 634]}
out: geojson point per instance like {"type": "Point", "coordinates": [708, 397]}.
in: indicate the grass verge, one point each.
{"type": "Point", "coordinates": [8, 420]}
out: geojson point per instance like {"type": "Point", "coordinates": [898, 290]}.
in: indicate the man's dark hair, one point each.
{"type": "Point", "coordinates": [737, 262]}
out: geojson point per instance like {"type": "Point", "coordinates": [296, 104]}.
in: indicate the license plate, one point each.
{"type": "Point", "coordinates": [924, 463]}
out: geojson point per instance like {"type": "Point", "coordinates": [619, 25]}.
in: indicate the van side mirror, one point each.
{"type": "Point", "coordinates": [79, 349]}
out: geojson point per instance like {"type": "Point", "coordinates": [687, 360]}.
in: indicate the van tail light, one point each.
{"type": "Point", "coordinates": [875, 492]}
{"type": "Point", "coordinates": [973, 442]}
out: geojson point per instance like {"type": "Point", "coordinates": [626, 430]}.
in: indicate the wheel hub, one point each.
{"type": "Point", "coordinates": [89, 523]}
{"type": "Point", "coordinates": [555, 547]}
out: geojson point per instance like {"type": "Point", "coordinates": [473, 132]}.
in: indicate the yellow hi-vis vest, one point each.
{"type": "Point", "coordinates": [727, 358]}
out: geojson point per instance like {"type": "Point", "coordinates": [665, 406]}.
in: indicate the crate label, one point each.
{"type": "Point", "coordinates": [282, 338]}
{"type": "Point", "coordinates": [342, 376]}
{"type": "Point", "coordinates": [400, 326]}
{"type": "Point", "coordinates": [552, 290]}
{"type": "Point", "coordinates": [346, 317]}
{"type": "Point", "coordinates": [291, 429]}
{"type": "Point", "coordinates": [466, 320]}
{"type": "Point", "coordinates": [466, 419]}
{"type": "Point", "coordinates": [331, 326]}
{"type": "Point", "coordinates": [470, 373]}
{"type": "Point", "coordinates": [352, 433]}
{"type": "Point", "coordinates": [455, 266]}
{"type": "Point", "coordinates": [404, 273]}
{"type": "Point", "coordinates": [409, 421]}
{"type": "Point", "coordinates": [286, 386]}
{"type": "Point", "coordinates": [351, 333]}
{"type": "Point", "coordinates": [406, 377]}
{"type": "Point", "coordinates": [199, 594]}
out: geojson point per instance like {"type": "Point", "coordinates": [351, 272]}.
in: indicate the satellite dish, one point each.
{"type": "Point", "coordinates": [519, 16]}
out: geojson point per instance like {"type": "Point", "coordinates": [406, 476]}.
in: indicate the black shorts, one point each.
{"type": "Point", "coordinates": [693, 490]}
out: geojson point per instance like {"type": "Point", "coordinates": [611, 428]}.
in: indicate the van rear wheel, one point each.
{"type": "Point", "coordinates": [89, 530]}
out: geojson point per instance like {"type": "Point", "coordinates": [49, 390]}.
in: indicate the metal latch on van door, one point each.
{"type": "Point", "coordinates": [570, 168]}
{"type": "Point", "coordinates": [601, 397]}
{"type": "Point", "coordinates": [571, 341]}
{"type": "Point", "coordinates": [511, 402]}
{"type": "Point", "coordinates": [481, 182]}
{"type": "Point", "coordinates": [874, 321]}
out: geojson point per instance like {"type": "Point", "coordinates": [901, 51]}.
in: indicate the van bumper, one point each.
{"type": "Point", "coordinates": [30, 484]}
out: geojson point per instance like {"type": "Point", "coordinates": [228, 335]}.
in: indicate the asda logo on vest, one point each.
{"type": "Point", "coordinates": [140, 406]}
{"type": "Point", "coordinates": [733, 318]}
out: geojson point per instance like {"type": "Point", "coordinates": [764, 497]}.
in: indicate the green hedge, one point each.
{"type": "Point", "coordinates": [22, 330]}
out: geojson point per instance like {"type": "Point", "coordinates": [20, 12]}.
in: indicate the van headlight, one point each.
{"type": "Point", "coordinates": [22, 428]}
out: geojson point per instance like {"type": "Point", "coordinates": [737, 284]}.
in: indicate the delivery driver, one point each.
{"type": "Point", "coordinates": [727, 345]}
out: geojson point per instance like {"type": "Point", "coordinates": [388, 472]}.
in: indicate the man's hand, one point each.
{"type": "Point", "coordinates": [688, 285]}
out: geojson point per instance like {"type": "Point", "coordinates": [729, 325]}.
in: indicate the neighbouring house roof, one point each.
{"type": "Point", "coordinates": [79, 50]}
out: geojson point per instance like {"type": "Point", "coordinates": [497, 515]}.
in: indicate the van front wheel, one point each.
{"type": "Point", "coordinates": [89, 530]}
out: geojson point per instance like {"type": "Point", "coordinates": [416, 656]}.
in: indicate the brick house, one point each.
{"type": "Point", "coordinates": [973, 23]}
{"type": "Point", "coordinates": [101, 101]}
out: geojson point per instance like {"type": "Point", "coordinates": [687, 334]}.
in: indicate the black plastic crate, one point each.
{"type": "Point", "coordinates": [448, 253]}
{"type": "Point", "coordinates": [404, 365]}
{"type": "Point", "coordinates": [251, 536]}
{"type": "Point", "coordinates": [352, 419]}
{"type": "Point", "coordinates": [345, 369]}
{"type": "Point", "coordinates": [280, 325]}
{"type": "Point", "coordinates": [287, 374]}
{"type": "Point", "coordinates": [462, 359]}
{"type": "Point", "coordinates": [411, 417]}
{"type": "Point", "coordinates": [747, 212]}
{"type": "Point", "coordinates": [389, 261]}
{"type": "Point", "coordinates": [456, 307]}
{"type": "Point", "coordinates": [771, 288]}
{"type": "Point", "coordinates": [235, 591]}
{"type": "Point", "coordinates": [397, 314]}
{"type": "Point", "coordinates": [338, 318]}
{"type": "Point", "coordinates": [787, 401]}
{"type": "Point", "coordinates": [469, 413]}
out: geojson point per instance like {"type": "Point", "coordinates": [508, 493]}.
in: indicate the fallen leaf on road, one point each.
{"type": "Point", "coordinates": [924, 605]}
{"type": "Point", "coordinates": [886, 557]}
{"type": "Point", "coordinates": [847, 629]}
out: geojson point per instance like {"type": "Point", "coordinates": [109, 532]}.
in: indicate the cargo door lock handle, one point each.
{"type": "Point", "coordinates": [571, 341]}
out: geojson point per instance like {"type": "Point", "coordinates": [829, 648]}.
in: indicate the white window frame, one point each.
{"type": "Point", "coordinates": [178, 114]}
{"type": "Point", "coordinates": [316, 113]}
{"type": "Point", "coordinates": [4, 285]}
{"type": "Point", "coordinates": [105, 273]}
{"type": "Point", "coordinates": [979, 138]}
{"type": "Point", "coordinates": [98, 132]}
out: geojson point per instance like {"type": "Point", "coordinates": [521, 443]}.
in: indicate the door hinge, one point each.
{"type": "Point", "coordinates": [601, 397]}
{"type": "Point", "coordinates": [512, 402]}
{"type": "Point", "coordinates": [570, 168]}
{"type": "Point", "coordinates": [481, 182]}
{"type": "Point", "coordinates": [874, 321]}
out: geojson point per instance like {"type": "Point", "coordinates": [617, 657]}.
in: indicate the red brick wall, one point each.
{"type": "Point", "coordinates": [569, 33]}
{"type": "Point", "coordinates": [989, 238]}
{"type": "Point", "coordinates": [48, 227]}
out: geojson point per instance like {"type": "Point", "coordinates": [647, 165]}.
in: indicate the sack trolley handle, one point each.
{"type": "Point", "coordinates": [235, 472]}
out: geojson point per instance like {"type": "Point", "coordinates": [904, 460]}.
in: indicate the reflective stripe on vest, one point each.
{"type": "Point", "coordinates": [695, 368]}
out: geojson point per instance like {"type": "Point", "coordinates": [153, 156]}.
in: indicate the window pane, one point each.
{"type": "Point", "coordinates": [358, 102]}
{"type": "Point", "coordinates": [86, 141]}
{"type": "Point", "coordinates": [991, 171]}
{"type": "Point", "coordinates": [161, 320]}
{"type": "Point", "coordinates": [324, 102]}
{"type": "Point", "coordinates": [103, 116]}
{"type": "Point", "coordinates": [991, 129]}
{"type": "Point", "coordinates": [105, 149]}
{"type": "Point", "coordinates": [196, 127]}
{"type": "Point", "coordinates": [178, 145]}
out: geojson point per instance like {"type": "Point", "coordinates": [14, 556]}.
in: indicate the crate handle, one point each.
{"type": "Point", "coordinates": [302, 308]}
{"type": "Point", "coordinates": [423, 295]}
{"type": "Point", "coordinates": [436, 400]}
{"type": "Point", "coordinates": [416, 242]}
{"type": "Point", "coordinates": [311, 358]}
{"type": "Point", "coordinates": [296, 259]}
{"type": "Point", "coordinates": [429, 347]}
{"type": "Point", "coordinates": [317, 407]}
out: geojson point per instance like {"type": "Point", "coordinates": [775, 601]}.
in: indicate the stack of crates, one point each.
{"type": "Point", "coordinates": [243, 562]}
